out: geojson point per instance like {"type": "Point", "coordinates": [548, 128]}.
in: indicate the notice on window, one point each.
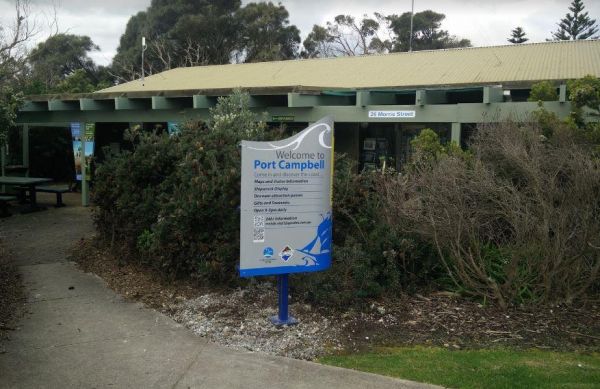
{"type": "Point", "coordinates": [286, 224]}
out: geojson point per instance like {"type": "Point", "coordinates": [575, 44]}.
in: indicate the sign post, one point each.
{"type": "Point", "coordinates": [286, 222]}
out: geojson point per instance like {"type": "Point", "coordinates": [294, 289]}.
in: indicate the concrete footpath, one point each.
{"type": "Point", "coordinates": [77, 333]}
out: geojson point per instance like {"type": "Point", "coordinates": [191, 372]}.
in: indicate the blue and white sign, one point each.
{"type": "Point", "coordinates": [286, 224]}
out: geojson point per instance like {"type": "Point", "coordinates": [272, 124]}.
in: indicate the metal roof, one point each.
{"type": "Point", "coordinates": [511, 64]}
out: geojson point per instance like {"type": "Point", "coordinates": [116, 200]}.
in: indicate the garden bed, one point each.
{"type": "Point", "coordinates": [11, 294]}
{"type": "Point", "coordinates": [238, 317]}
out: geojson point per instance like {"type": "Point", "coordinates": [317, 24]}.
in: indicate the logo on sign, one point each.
{"type": "Point", "coordinates": [286, 253]}
{"type": "Point", "coordinates": [268, 252]}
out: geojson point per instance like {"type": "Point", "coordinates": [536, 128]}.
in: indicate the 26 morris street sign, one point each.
{"type": "Point", "coordinates": [286, 223]}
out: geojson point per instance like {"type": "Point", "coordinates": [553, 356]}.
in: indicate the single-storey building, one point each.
{"type": "Point", "coordinates": [379, 102]}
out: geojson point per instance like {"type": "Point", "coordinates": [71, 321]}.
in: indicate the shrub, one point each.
{"type": "Point", "coordinates": [518, 221]}
{"type": "Point", "coordinates": [130, 187]}
{"type": "Point", "coordinates": [372, 256]}
{"type": "Point", "coordinates": [174, 200]}
{"type": "Point", "coordinates": [543, 91]}
{"type": "Point", "coordinates": [197, 228]}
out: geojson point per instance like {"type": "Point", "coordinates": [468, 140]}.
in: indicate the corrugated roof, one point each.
{"type": "Point", "coordinates": [511, 64]}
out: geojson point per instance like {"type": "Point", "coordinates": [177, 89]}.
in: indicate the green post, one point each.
{"type": "Point", "coordinates": [26, 148]}
{"type": "Point", "coordinates": [3, 162]}
{"type": "Point", "coordinates": [455, 133]}
{"type": "Point", "coordinates": [3, 153]}
{"type": "Point", "coordinates": [85, 198]}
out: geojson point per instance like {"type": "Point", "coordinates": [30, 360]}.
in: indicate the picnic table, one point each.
{"type": "Point", "coordinates": [30, 183]}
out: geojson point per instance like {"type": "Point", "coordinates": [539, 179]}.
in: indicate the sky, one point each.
{"type": "Point", "coordinates": [484, 22]}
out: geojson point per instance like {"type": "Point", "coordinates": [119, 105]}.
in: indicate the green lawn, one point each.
{"type": "Point", "coordinates": [490, 368]}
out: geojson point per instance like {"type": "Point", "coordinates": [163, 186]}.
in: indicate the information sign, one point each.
{"type": "Point", "coordinates": [286, 223]}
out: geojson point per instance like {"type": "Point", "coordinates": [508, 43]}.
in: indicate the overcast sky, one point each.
{"type": "Point", "coordinates": [484, 22]}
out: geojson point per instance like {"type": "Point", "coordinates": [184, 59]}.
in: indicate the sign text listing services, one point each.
{"type": "Point", "coordinates": [286, 221]}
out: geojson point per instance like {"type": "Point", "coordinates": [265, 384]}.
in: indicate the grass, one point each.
{"type": "Point", "coordinates": [488, 368]}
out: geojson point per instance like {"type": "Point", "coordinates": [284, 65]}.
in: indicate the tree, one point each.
{"type": "Point", "coordinates": [204, 32]}
{"type": "Point", "coordinates": [346, 36]}
{"type": "Point", "coordinates": [267, 33]}
{"type": "Point", "coordinates": [13, 54]}
{"type": "Point", "coordinates": [58, 58]}
{"type": "Point", "coordinates": [426, 35]}
{"type": "Point", "coordinates": [178, 33]}
{"type": "Point", "coordinates": [318, 43]}
{"type": "Point", "coordinates": [577, 25]}
{"type": "Point", "coordinates": [517, 36]}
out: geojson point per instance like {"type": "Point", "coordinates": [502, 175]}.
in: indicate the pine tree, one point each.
{"type": "Point", "coordinates": [577, 25]}
{"type": "Point", "coordinates": [517, 36]}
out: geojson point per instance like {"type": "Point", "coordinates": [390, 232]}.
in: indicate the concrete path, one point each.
{"type": "Point", "coordinates": [79, 334]}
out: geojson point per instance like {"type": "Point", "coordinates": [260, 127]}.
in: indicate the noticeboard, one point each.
{"type": "Point", "coordinates": [286, 222]}
{"type": "Point", "coordinates": [87, 136]}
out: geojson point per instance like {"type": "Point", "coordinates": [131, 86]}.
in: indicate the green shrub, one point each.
{"type": "Point", "coordinates": [372, 255]}
{"type": "Point", "coordinates": [543, 91]}
{"type": "Point", "coordinates": [174, 200]}
{"type": "Point", "coordinates": [129, 187]}
{"type": "Point", "coordinates": [173, 203]}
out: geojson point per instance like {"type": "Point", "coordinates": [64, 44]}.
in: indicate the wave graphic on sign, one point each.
{"type": "Point", "coordinates": [319, 249]}
{"type": "Point", "coordinates": [296, 142]}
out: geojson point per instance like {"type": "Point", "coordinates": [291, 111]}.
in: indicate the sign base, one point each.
{"type": "Point", "coordinates": [290, 321]}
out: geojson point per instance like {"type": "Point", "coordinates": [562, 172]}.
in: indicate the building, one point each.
{"type": "Point", "coordinates": [379, 102]}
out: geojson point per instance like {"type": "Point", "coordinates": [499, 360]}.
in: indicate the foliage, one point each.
{"type": "Point", "coordinates": [347, 36]}
{"type": "Point", "coordinates": [268, 35]}
{"type": "Point", "coordinates": [13, 50]}
{"type": "Point", "coordinates": [79, 82]}
{"type": "Point", "coordinates": [517, 221]}
{"type": "Point", "coordinates": [59, 57]}
{"type": "Point", "coordinates": [543, 91]}
{"type": "Point", "coordinates": [488, 368]}
{"type": "Point", "coordinates": [372, 255]}
{"type": "Point", "coordinates": [427, 33]}
{"type": "Point", "coordinates": [517, 35]}
{"type": "Point", "coordinates": [9, 104]}
{"type": "Point", "coordinates": [13, 44]}
{"type": "Point", "coordinates": [584, 94]}
{"type": "Point", "coordinates": [194, 33]}
{"type": "Point", "coordinates": [178, 33]}
{"type": "Point", "coordinates": [159, 198]}
{"type": "Point", "coordinates": [130, 186]}
{"type": "Point", "coordinates": [577, 25]}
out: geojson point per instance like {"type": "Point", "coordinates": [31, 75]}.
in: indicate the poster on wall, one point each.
{"type": "Point", "coordinates": [89, 136]}
{"type": "Point", "coordinates": [76, 137]}
{"type": "Point", "coordinates": [173, 128]}
{"type": "Point", "coordinates": [286, 222]}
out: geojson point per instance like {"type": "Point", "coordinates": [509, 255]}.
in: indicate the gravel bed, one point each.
{"type": "Point", "coordinates": [240, 320]}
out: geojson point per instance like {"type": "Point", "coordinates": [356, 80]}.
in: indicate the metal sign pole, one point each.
{"type": "Point", "coordinates": [283, 318]}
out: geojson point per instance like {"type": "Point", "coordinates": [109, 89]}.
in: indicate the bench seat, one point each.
{"type": "Point", "coordinates": [57, 189]}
